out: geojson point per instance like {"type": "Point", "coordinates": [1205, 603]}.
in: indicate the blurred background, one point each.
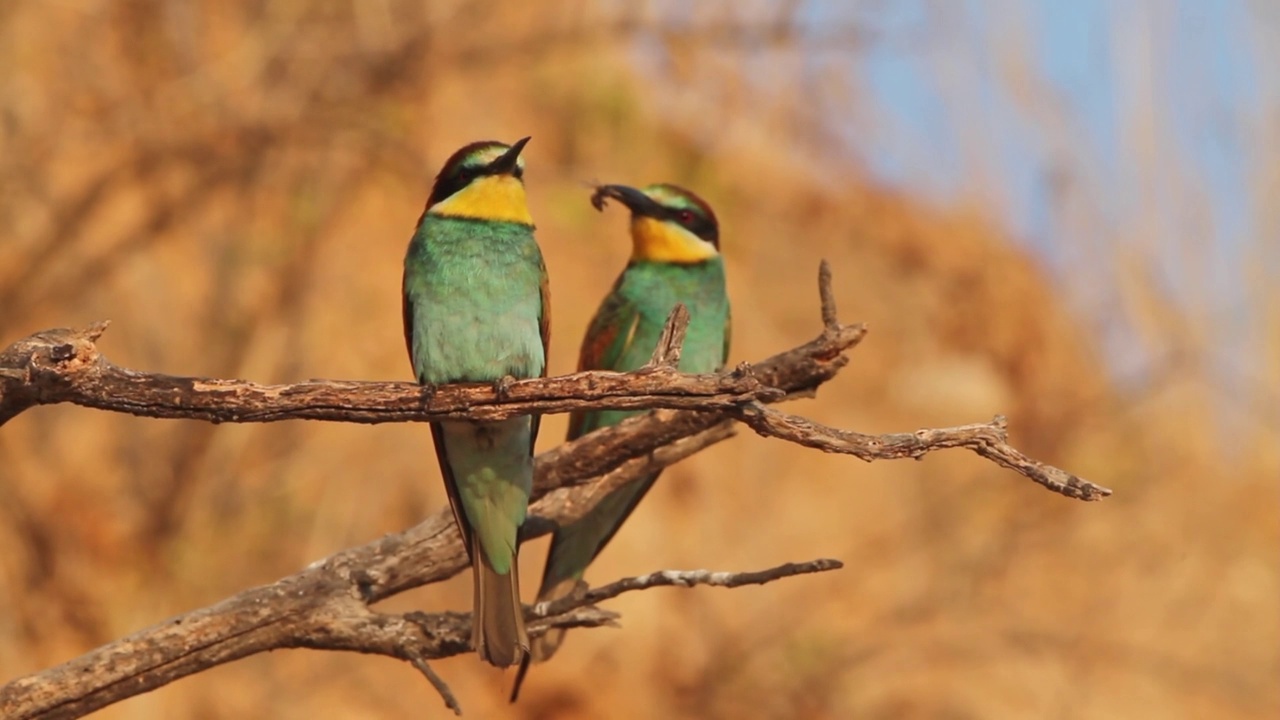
{"type": "Point", "coordinates": [1064, 212]}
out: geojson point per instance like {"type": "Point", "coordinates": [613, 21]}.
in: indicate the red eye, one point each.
{"type": "Point", "coordinates": [685, 216]}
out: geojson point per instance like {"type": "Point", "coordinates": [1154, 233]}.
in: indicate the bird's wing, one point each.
{"type": "Point", "coordinates": [544, 329]}
{"type": "Point", "coordinates": [451, 486]}
{"type": "Point", "coordinates": [728, 332]}
{"type": "Point", "coordinates": [406, 308]}
{"type": "Point", "coordinates": [608, 338]}
{"type": "Point", "coordinates": [437, 433]}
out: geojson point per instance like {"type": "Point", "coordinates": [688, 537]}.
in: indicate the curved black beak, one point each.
{"type": "Point", "coordinates": [505, 164]}
{"type": "Point", "coordinates": [636, 201]}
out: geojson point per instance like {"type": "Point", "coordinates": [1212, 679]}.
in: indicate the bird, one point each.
{"type": "Point", "coordinates": [477, 309]}
{"type": "Point", "coordinates": [675, 258]}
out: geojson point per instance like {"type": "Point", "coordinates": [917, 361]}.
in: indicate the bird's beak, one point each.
{"type": "Point", "coordinates": [636, 201]}
{"type": "Point", "coordinates": [505, 164]}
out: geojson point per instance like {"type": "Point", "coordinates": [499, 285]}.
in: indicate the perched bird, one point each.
{"type": "Point", "coordinates": [675, 258]}
{"type": "Point", "coordinates": [476, 309]}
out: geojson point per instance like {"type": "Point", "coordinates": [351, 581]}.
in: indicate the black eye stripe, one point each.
{"type": "Point", "coordinates": [687, 218]}
{"type": "Point", "coordinates": [449, 185]}
{"type": "Point", "coordinates": [462, 176]}
{"type": "Point", "coordinates": [697, 224]}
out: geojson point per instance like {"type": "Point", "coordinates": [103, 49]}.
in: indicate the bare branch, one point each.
{"type": "Point", "coordinates": [437, 682]}
{"type": "Point", "coordinates": [324, 606]}
{"type": "Point", "coordinates": [417, 636]}
{"type": "Point", "coordinates": [671, 341]}
{"type": "Point", "coordinates": [327, 605]}
{"type": "Point", "coordinates": [990, 440]}
{"type": "Point", "coordinates": [827, 296]}
{"type": "Point", "coordinates": [65, 366]}
{"type": "Point", "coordinates": [668, 578]}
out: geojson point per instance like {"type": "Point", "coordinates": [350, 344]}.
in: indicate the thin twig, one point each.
{"type": "Point", "coordinates": [437, 682]}
{"type": "Point", "coordinates": [666, 354]}
{"type": "Point", "coordinates": [679, 578]}
{"type": "Point", "coordinates": [990, 440]}
{"type": "Point", "coordinates": [827, 297]}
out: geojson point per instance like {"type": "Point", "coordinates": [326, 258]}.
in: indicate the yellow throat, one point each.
{"type": "Point", "coordinates": [492, 197]}
{"type": "Point", "coordinates": [662, 241]}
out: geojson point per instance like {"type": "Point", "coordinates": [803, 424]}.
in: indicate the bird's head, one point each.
{"type": "Point", "coordinates": [668, 223]}
{"type": "Point", "coordinates": [482, 181]}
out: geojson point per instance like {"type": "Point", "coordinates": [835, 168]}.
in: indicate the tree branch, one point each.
{"type": "Point", "coordinates": [327, 604]}
{"type": "Point", "coordinates": [668, 578]}
{"type": "Point", "coordinates": [65, 366]}
{"type": "Point", "coordinates": [990, 440]}
{"type": "Point", "coordinates": [671, 342]}
{"type": "Point", "coordinates": [417, 637]}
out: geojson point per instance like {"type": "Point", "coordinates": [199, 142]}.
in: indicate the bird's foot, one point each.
{"type": "Point", "coordinates": [428, 394]}
{"type": "Point", "coordinates": [502, 386]}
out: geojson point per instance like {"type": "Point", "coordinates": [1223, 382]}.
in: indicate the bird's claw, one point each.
{"type": "Point", "coordinates": [502, 386]}
{"type": "Point", "coordinates": [428, 394]}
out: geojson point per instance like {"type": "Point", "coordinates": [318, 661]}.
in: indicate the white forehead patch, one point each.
{"type": "Point", "coordinates": [491, 153]}
{"type": "Point", "coordinates": [662, 194]}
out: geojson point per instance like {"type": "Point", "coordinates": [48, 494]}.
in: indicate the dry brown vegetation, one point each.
{"type": "Point", "coordinates": [233, 184]}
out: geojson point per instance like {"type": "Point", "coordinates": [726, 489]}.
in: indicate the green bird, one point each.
{"type": "Point", "coordinates": [675, 258]}
{"type": "Point", "coordinates": [476, 309]}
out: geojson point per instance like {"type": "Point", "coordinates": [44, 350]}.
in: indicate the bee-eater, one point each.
{"type": "Point", "coordinates": [675, 258]}
{"type": "Point", "coordinates": [476, 309]}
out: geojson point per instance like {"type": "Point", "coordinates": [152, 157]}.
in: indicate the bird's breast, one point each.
{"type": "Point", "coordinates": [476, 312]}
